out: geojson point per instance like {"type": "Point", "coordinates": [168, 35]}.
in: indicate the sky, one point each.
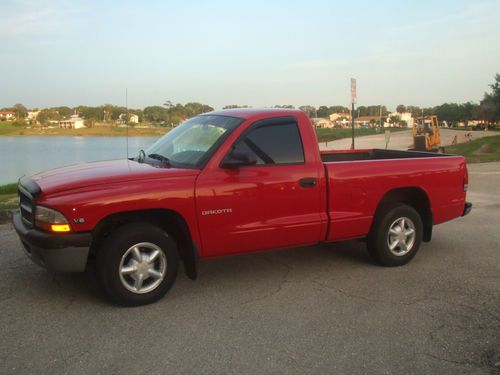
{"type": "Point", "coordinates": [257, 53]}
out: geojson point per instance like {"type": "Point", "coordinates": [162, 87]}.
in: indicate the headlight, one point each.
{"type": "Point", "coordinates": [51, 220]}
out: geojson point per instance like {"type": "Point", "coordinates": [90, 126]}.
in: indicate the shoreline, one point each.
{"type": "Point", "coordinates": [91, 132]}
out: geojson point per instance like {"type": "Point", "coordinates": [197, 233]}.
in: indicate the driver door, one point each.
{"type": "Point", "coordinates": [274, 203]}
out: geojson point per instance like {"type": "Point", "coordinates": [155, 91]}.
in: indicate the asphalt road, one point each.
{"type": "Point", "coordinates": [322, 309]}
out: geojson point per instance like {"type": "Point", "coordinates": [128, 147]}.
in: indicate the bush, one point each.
{"type": "Point", "coordinates": [19, 123]}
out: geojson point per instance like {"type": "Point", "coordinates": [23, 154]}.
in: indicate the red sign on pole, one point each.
{"type": "Point", "coordinates": [353, 91]}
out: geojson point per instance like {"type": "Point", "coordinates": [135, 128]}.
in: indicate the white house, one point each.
{"type": "Point", "coordinates": [405, 116]}
{"type": "Point", "coordinates": [32, 115]}
{"type": "Point", "coordinates": [322, 122]}
{"type": "Point", "coordinates": [74, 122]}
{"type": "Point", "coordinates": [7, 116]}
{"type": "Point", "coordinates": [132, 119]}
{"type": "Point", "coordinates": [336, 116]}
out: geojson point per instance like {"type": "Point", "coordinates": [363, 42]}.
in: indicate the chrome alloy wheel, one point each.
{"type": "Point", "coordinates": [142, 267]}
{"type": "Point", "coordinates": [401, 236]}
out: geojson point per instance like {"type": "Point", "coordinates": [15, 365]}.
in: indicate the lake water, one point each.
{"type": "Point", "coordinates": [27, 155]}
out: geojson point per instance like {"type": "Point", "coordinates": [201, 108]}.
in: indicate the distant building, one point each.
{"type": "Point", "coordinates": [405, 116]}
{"type": "Point", "coordinates": [132, 119]}
{"type": "Point", "coordinates": [322, 122]}
{"type": "Point", "coordinates": [7, 116]}
{"type": "Point", "coordinates": [366, 121]}
{"type": "Point", "coordinates": [32, 115]}
{"type": "Point", "coordinates": [337, 116]}
{"type": "Point", "coordinates": [74, 122]}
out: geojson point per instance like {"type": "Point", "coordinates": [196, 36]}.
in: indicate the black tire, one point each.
{"type": "Point", "coordinates": [420, 143]}
{"type": "Point", "coordinates": [407, 245]}
{"type": "Point", "coordinates": [118, 248]}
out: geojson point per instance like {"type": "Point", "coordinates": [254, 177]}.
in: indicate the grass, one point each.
{"type": "Point", "coordinates": [478, 151]}
{"type": "Point", "coordinates": [8, 196]}
{"type": "Point", "coordinates": [8, 127]}
{"type": "Point", "coordinates": [8, 189]}
{"type": "Point", "coordinates": [8, 201]}
{"type": "Point", "coordinates": [328, 134]}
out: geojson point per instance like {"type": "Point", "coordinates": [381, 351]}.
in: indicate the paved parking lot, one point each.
{"type": "Point", "coordinates": [321, 309]}
{"type": "Point", "coordinates": [401, 140]}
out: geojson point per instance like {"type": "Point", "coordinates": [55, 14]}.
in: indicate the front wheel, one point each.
{"type": "Point", "coordinates": [395, 236]}
{"type": "Point", "coordinates": [137, 264]}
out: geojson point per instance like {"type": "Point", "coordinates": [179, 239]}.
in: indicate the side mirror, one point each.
{"type": "Point", "coordinates": [237, 159]}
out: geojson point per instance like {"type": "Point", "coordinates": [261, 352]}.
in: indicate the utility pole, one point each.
{"type": "Point", "coordinates": [126, 106]}
{"type": "Point", "coordinates": [353, 101]}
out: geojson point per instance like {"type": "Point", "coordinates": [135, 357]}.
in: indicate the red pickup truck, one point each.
{"type": "Point", "coordinates": [232, 182]}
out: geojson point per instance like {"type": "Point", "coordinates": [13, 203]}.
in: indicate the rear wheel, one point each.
{"type": "Point", "coordinates": [137, 264]}
{"type": "Point", "coordinates": [396, 235]}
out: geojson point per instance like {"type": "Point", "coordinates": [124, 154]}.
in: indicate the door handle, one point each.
{"type": "Point", "coordinates": [308, 182]}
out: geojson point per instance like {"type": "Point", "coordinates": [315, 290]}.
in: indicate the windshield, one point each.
{"type": "Point", "coordinates": [189, 144]}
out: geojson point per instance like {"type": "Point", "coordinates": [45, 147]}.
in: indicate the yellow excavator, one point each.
{"type": "Point", "coordinates": [426, 135]}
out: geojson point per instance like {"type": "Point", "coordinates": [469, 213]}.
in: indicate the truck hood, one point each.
{"type": "Point", "coordinates": [103, 172]}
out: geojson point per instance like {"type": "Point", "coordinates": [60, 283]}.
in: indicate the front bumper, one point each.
{"type": "Point", "coordinates": [467, 208]}
{"type": "Point", "coordinates": [66, 252]}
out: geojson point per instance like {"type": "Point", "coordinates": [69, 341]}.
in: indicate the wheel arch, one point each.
{"type": "Point", "coordinates": [169, 220]}
{"type": "Point", "coordinates": [411, 196]}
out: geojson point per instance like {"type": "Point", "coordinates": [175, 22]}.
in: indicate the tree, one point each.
{"type": "Point", "coordinates": [323, 111]}
{"type": "Point", "coordinates": [309, 110]}
{"type": "Point", "coordinates": [20, 110]}
{"type": "Point", "coordinates": [416, 112]}
{"type": "Point", "coordinates": [337, 109]}
{"type": "Point", "coordinates": [233, 106]}
{"type": "Point", "coordinates": [48, 114]}
{"type": "Point", "coordinates": [453, 112]}
{"type": "Point", "coordinates": [195, 109]}
{"type": "Point", "coordinates": [64, 111]}
{"type": "Point", "coordinates": [155, 114]}
{"type": "Point", "coordinates": [116, 111]}
{"type": "Point", "coordinates": [394, 120]}
{"type": "Point", "coordinates": [490, 105]}
{"type": "Point", "coordinates": [401, 108]}
{"type": "Point", "coordinates": [94, 113]}
{"type": "Point", "coordinates": [373, 110]}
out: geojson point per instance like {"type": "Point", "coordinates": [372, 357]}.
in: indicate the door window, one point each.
{"type": "Point", "coordinates": [273, 144]}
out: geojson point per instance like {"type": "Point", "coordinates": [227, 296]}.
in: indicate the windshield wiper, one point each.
{"type": "Point", "coordinates": [162, 158]}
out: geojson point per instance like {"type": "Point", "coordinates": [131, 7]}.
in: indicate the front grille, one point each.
{"type": "Point", "coordinates": [27, 206]}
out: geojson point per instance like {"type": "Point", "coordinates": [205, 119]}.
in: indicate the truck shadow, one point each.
{"type": "Point", "coordinates": [227, 273]}
{"type": "Point", "coordinates": [307, 260]}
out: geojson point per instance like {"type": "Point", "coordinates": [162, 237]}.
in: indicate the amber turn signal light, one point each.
{"type": "Point", "coordinates": [60, 228]}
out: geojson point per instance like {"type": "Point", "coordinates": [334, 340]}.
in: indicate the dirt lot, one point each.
{"type": "Point", "coordinates": [321, 309]}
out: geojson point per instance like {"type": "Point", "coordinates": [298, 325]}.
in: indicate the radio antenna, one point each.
{"type": "Point", "coordinates": [126, 118]}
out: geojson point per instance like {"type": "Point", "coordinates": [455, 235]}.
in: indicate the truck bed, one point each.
{"type": "Point", "coordinates": [357, 180]}
{"type": "Point", "coordinates": [374, 154]}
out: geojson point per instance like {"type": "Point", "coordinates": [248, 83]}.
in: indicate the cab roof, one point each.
{"type": "Point", "coordinates": [247, 113]}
